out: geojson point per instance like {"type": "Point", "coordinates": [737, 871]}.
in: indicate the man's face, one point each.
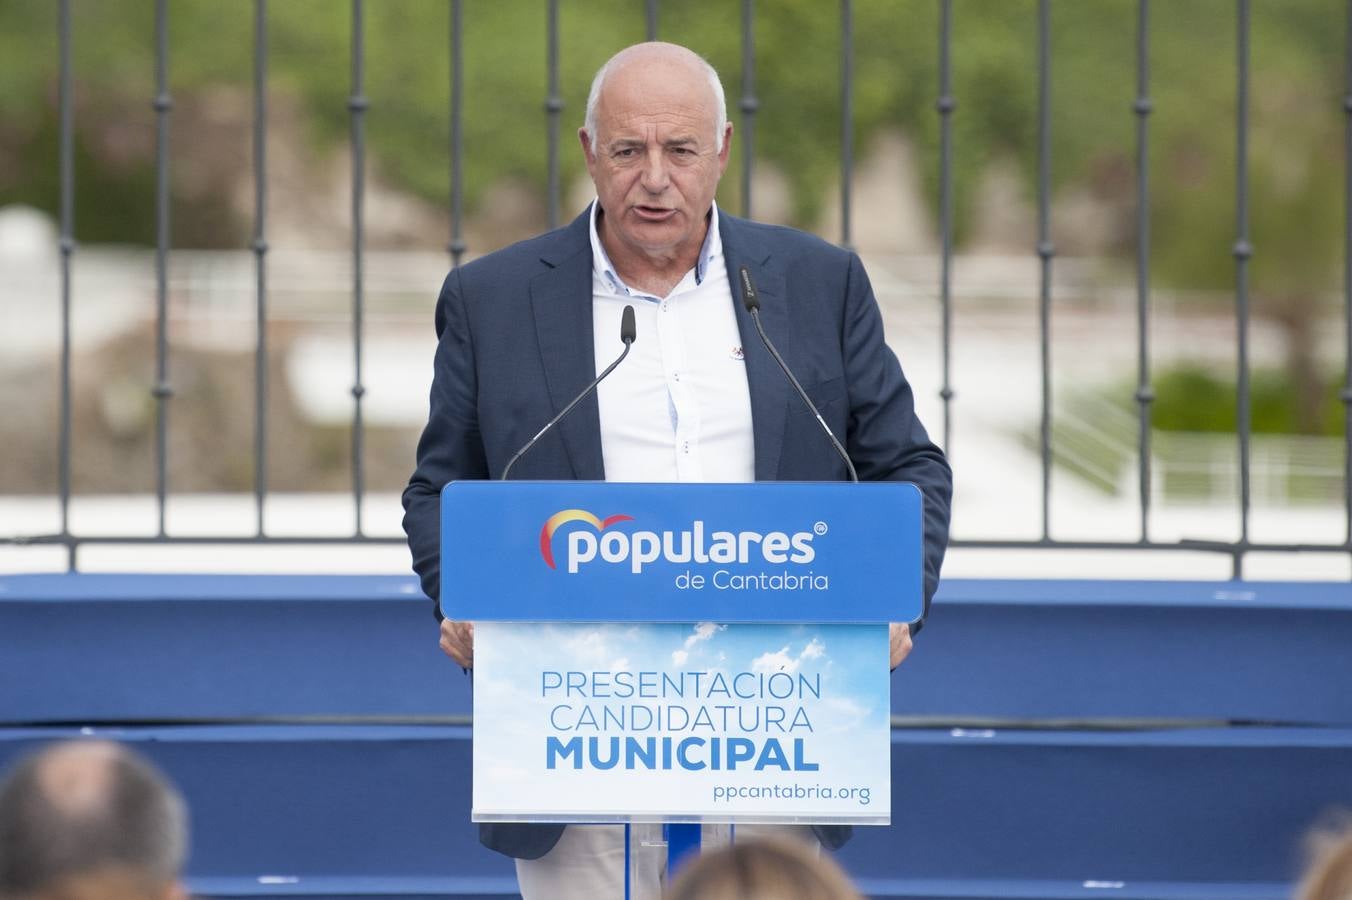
{"type": "Point", "coordinates": [655, 158]}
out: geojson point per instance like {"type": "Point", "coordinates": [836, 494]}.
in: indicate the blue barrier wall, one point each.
{"type": "Point", "coordinates": [366, 646]}
{"type": "Point", "coordinates": [1054, 739]}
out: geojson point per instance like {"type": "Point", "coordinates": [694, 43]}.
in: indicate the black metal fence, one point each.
{"type": "Point", "coordinates": [946, 106]}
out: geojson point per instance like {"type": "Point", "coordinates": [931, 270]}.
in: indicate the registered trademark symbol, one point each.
{"type": "Point", "coordinates": [819, 528]}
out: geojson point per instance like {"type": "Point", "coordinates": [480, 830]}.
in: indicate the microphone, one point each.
{"type": "Point", "coordinates": [628, 335]}
{"type": "Point", "coordinates": [751, 301]}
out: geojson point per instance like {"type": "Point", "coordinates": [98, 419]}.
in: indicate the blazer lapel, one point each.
{"type": "Point", "coordinates": [561, 299]}
{"type": "Point", "coordinates": [768, 387]}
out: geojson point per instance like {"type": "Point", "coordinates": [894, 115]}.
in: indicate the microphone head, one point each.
{"type": "Point", "coordinates": [628, 332]}
{"type": "Point", "coordinates": [749, 298]}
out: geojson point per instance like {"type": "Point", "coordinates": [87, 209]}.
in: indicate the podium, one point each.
{"type": "Point", "coordinates": [684, 654]}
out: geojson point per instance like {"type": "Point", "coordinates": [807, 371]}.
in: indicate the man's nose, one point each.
{"type": "Point", "coordinates": [655, 175]}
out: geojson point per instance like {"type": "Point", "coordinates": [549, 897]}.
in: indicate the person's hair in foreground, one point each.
{"type": "Point", "coordinates": [1329, 874]}
{"type": "Point", "coordinates": [762, 870]}
{"type": "Point", "coordinates": [88, 819]}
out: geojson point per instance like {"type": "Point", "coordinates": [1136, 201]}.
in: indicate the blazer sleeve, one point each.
{"type": "Point", "coordinates": [451, 447]}
{"type": "Point", "coordinates": [885, 438]}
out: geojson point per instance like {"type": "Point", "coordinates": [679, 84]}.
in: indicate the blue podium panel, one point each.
{"type": "Point", "coordinates": [826, 553]}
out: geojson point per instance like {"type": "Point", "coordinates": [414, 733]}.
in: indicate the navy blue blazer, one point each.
{"type": "Point", "coordinates": [515, 345]}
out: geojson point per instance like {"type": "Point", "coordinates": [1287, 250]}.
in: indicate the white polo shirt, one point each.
{"type": "Point", "coordinates": [678, 408]}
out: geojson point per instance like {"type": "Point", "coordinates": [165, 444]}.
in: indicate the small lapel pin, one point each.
{"type": "Point", "coordinates": [737, 353]}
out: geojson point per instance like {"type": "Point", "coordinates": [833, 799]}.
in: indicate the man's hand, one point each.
{"type": "Point", "coordinates": [457, 642]}
{"type": "Point", "coordinates": [899, 635]}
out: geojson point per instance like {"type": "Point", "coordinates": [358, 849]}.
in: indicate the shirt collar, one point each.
{"type": "Point", "coordinates": [708, 252]}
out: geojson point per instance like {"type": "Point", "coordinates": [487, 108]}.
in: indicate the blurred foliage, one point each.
{"type": "Point", "coordinates": [1296, 151]}
{"type": "Point", "coordinates": [1196, 398]}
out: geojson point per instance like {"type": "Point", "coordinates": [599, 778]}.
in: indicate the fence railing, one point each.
{"type": "Point", "coordinates": [946, 107]}
{"type": "Point", "coordinates": [1098, 442]}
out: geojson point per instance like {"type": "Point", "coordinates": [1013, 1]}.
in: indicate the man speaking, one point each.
{"type": "Point", "coordinates": [522, 331]}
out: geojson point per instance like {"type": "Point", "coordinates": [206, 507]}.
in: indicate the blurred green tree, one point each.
{"type": "Point", "coordinates": [1296, 151]}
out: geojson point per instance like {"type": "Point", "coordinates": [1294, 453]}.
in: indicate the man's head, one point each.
{"type": "Point", "coordinates": [656, 143]}
{"type": "Point", "coordinates": [89, 819]}
{"type": "Point", "coordinates": [763, 869]}
{"type": "Point", "coordinates": [1328, 874]}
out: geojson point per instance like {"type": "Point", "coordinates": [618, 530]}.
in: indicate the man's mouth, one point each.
{"type": "Point", "coordinates": [654, 213]}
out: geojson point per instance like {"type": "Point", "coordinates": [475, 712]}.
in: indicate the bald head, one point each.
{"type": "Point", "coordinates": [89, 817]}
{"type": "Point", "coordinates": [76, 778]}
{"type": "Point", "coordinates": [659, 65]}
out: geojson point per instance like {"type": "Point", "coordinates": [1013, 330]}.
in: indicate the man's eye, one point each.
{"type": "Point", "coordinates": [625, 153]}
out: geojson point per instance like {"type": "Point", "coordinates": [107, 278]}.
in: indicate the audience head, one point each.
{"type": "Point", "coordinates": [1329, 875]}
{"type": "Point", "coordinates": [90, 819]}
{"type": "Point", "coordinates": [762, 870]}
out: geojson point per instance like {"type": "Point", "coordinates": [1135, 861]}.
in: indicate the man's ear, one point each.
{"type": "Point", "coordinates": [585, 140]}
{"type": "Point", "coordinates": [725, 153]}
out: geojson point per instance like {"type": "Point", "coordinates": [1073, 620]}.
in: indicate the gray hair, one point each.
{"type": "Point", "coordinates": [122, 815]}
{"type": "Point", "coordinates": [715, 84]}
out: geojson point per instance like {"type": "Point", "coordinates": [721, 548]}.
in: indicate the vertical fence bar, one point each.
{"type": "Point", "coordinates": [1243, 252]}
{"type": "Point", "coordinates": [1045, 249]}
{"type": "Point", "coordinates": [162, 390]}
{"type": "Point", "coordinates": [66, 102]}
{"type": "Point", "coordinates": [457, 244]}
{"type": "Point", "coordinates": [553, 107]}
{"type": "Point", "coordinates": [945, 105]}
{"type": "Point", "coordinates": [846, 117]}
{"type": "Point", "coordinates": [652, 20]}
{"type": "Point", "coordinates": [749, 103]}
{"type": "Point", "coordinates": [357, 105]}
{"type": "Point", "coordinates": [1145, 395]}
{"type": "Point", "coordinates": [1346, 395]}
{"type": "Point", "coordinates": [260, 249]}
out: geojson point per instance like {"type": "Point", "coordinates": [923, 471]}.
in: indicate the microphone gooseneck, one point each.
{"type": "Point", "coordinates": [628, 334]}
{"type": "Point", "coordinates": [751, 301]}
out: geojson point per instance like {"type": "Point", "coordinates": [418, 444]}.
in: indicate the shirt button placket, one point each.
{"type": "Point", "coordinates": [671, 352]}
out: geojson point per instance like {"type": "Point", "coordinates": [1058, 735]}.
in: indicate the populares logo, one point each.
{"type": "Point", "coordinates": [695, 544]}
{"type": "Point", "coordinates": [563, 517]}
